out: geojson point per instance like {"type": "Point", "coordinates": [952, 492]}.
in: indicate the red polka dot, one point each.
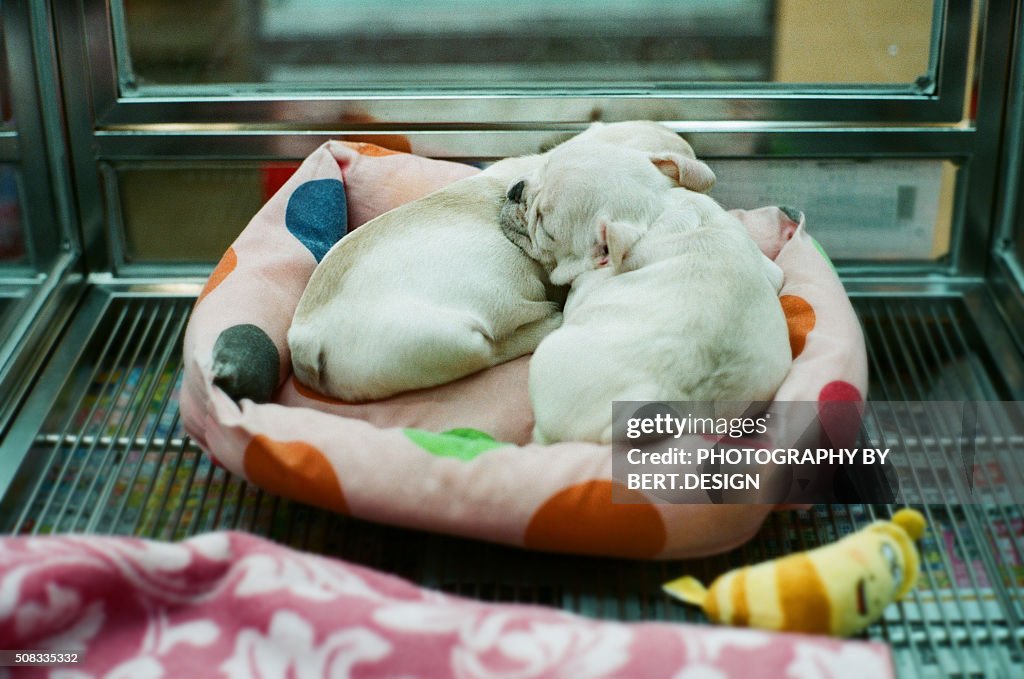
{"type": "Point", "coordinates": [374, 144]}
{"type": "Point", "coordinates": [839, 390]}
{"type": "Point", "coordinates": [295, 470]}
{"type": "Point", "coordinates": [800, 318]}
{"type": "Point", "coordinates": [582, 519]}
{"type": "Point", "coordinates": [226, 265]}
{"type": "Point", "coordinates": [840, 409]}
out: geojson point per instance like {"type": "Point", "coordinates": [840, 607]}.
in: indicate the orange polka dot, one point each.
{"type": "Point", "coordinates": [582, 519]}
{"type": "Point", "coordinates": [226, 265]}
{"type": "Point", "coordinates": [295, 470]}
{"type": "Point", "coordinates": [367, 149]}
{"type": "Point", "coordinates": [800, 319]}
{"type": "Point", "coordinates": [306, 392]}
{"type": "Point", "coordinates": [376, 144]}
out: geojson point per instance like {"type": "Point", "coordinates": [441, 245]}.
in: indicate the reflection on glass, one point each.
{"type": "Point", "coordinates": [190, 213]}
{"type": "Point", "coordinates": [903, 209]}
{"type": "Point", "coordinates": [882, 209]}
{"type": "Point", "coordinates": [862, 41]}
{"type": "Point", "coordinates": [475, 43]}
{"type": "Point", "coordinates": [12, 237]}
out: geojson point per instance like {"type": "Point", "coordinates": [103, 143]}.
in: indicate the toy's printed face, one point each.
{"type": "Point", "coordinates": [878, 587]}
{"type": "Point", "coordinates": [894, 558]}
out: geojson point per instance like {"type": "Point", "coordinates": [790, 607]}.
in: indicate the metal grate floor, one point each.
{"type": "Point", "coordinates": [107, 454]}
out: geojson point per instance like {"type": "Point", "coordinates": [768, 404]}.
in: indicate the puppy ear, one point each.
{"type": "Point", "coordinates": [688, 173]}
{"type": "Point", "coordinates": [619, 237]}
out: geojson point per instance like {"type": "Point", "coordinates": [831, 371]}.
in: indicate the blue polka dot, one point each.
{"type": "Point", "coordinates": [317, 215]}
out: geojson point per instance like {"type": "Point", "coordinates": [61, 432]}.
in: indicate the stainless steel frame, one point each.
{"type": "Point", "coordinates": [1007, 268]}
{"type": "Point", "coordinates": [35, 144]}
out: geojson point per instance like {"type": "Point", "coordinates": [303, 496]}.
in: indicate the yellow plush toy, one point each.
{"type": "Point", "coordinates": [836, 589]}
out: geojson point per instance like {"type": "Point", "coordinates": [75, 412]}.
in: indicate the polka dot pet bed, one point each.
{"type": "Point", "coordinates": [455, 458]}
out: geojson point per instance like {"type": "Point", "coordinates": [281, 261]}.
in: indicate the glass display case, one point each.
{"type": "Point", "coordinates": [897, 127]}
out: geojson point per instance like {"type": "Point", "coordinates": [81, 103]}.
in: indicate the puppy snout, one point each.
{"type": "Point", "coordinates": [515, 194]}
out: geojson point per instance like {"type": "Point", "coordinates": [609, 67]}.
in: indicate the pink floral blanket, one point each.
{"type": "Point", "coordinates": [233, 605]}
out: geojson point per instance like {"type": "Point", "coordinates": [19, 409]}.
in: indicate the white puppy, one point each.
{"type": "Point", "coordinates": [577, 185]}
{"type": "Point", "coordinates": [432, 291]}
{"type": "Point", "coordinates": [671, 300]}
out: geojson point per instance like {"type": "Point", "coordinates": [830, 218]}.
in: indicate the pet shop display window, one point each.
{"type": "Point", "coordinates": [882, 137]}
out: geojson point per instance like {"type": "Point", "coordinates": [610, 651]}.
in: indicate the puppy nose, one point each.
{"type": "Point", "coordinates": [515, 194]}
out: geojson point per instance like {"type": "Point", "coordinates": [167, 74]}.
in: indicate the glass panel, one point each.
{"type": "Point", "coordinates": [12, 236]}
{"type": "Point", "coordinates": [894, 210]}
{"type": "Point", "coordinates": [856, 209]}
{"type": "Point", "coordinates": [190, 213]}
{"type": "Point", "coordinates": [374, 44]}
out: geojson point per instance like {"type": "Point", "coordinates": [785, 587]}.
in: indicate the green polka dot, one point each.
{"type": "Point", "coordinates": [462, 444]}
{"type": "Point", "coordinates": [823, 253]}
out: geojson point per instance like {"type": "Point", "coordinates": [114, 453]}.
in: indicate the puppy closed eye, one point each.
{"type": "Point", "coordinates": [541, 229]}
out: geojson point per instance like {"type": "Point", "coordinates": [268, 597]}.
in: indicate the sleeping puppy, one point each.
{"type": "Point", "coordinates": [577, 170]}
{"type": "Point", "coordinates": [432, 291]}
{"type": "Point", "coordinates": [671, 300]}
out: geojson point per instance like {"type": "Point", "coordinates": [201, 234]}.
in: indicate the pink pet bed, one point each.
{"type": "Point", "coordinates": [456, 458]}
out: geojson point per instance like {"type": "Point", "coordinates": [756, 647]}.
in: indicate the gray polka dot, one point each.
{"type": "Point", "coordinates": [246, 363]}
{"type": "Point", "coordinates": [791, 212]}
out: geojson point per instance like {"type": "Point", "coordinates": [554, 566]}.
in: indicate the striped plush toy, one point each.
{"type": "Point", "coordinates": [836, 589]}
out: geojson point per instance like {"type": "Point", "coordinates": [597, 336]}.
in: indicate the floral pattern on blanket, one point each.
{"type": "Point", "coordinates": [233, 605]}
